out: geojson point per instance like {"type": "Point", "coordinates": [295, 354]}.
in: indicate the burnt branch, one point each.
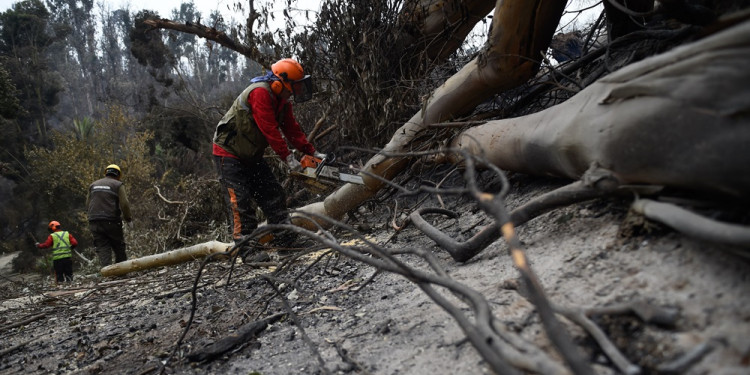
{"type": "Point", "coordinates": [244, 334]}
{"type": "Point", "coordinates": [212, 34]}
{"type": "Point", "coordinates": [692, 224]}
{"type": "Point", "coordinates": [591, 187]}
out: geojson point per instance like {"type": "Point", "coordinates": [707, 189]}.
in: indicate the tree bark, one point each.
{"type": "Point", "coordinates": [183, 255]}
{"type": "Point", "coordinates": [678, 119]}
{"type": "Point", "coordinates": [443, 25]}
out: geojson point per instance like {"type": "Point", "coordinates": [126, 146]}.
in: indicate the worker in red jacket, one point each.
{"type": "Point", "coordinates": [62, 243]}
{"type": "Point", "coordinates": [257, 119]}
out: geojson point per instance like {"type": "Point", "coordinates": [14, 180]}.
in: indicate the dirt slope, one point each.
{"type": "Point", "coordinates": [586, 255]}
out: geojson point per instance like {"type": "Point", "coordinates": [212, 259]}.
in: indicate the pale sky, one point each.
{"type": "Point", "coordinates": [165, 7]}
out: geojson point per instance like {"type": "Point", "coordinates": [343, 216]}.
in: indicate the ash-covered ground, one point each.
{"type": "Point", "coordinates": [343, 316]}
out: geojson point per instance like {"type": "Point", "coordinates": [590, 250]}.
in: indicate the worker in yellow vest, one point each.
{"type": "Point", "coordinates": [62, 244]}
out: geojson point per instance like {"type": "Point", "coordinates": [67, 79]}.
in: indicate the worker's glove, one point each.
{"type": "Point", "coordinates": [36, 244]}
{"type": "Point", "coordinates": [320, 155]}
{"type": "Point", "coordinates": [293, 163]}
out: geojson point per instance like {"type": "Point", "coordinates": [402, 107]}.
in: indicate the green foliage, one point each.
{"type": "Point", "coordinates": [9, 104]}
{"type": "Point", "coordinates": [170, 210]}
{"type": "Point", "coordinates": [64, 172]}
{"type": "Point", "coordinates": [24, 39]}
{"type": "Point", "coordinates": [83, 128]}
{"type": "Point", "coordinates": [24, 26]}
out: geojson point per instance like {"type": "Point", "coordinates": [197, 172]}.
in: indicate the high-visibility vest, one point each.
{"type": "Point", "coordinates": [61, 245]}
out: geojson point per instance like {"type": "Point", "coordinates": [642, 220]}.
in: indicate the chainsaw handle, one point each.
{"type": "Point", "coordinates": [320, 166]}
{"type": "Point", "coordinates": [327, 161]}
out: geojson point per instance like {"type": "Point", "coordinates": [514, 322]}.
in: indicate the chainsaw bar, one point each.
{"type": "Point", "coordinates": [317, 169]}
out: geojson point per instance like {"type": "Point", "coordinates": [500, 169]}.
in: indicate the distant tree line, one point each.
{"type": "Point", "coordinates": [84, 86]}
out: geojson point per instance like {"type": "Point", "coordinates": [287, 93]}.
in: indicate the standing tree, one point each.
{"type": "Point", "coordinates": [24, 38]}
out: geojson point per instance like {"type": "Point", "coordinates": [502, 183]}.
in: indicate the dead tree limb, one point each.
{"type": "Point", "coordinates": [692, 224]}
{"type": "Point", "coordinates": [683, 363]}
{"type": "Point", "coordinates": [158, 193]}
{"type": "Point", "coordinates": [23, 322]}
{"type": "Point", "coordinates": [244, 334]}
{"type": "Point", "coordinates": [494, 206]}
{"type": "Point", "coordinates": [579, 317]}
{"type": "Point", "coordinates": [15, 347]}
{"type": "Point", "coordinates": [509, 59]}
{"type": "Point", "coordinates": [210, 33]}
{"type": "Point", "coordinates": [645, 311]}
{"type": "Point", "coordinates": [597, 183]}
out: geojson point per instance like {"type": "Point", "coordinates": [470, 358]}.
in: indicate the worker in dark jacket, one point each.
{"type": "Point", "coordinates": [258, 118]}
{"type": "Point", "coordinates": [62, 243]}
{"type": "Point", "coordinates": [108, 205]}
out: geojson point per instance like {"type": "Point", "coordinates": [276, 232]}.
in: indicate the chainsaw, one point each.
{"type": "Point", "coordinates": [320, 175]}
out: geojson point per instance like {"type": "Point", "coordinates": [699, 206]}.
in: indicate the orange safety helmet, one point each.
{"type": "Point", "coordinates": [292, 77]}
{"type": "Point", "coordinates": [53, 225]}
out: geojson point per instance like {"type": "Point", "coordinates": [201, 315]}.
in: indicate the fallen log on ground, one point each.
{"type": "Point", "coordinates": [183, 255]}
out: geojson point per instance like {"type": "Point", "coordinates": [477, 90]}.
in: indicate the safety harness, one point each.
{"type": "Point", "coordinates": [61, 245]}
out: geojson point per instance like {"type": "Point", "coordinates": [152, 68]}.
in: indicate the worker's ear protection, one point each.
{"type": "Point", "coordinates": [277, 87]}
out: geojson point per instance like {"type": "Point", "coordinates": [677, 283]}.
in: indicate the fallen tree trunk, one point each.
{"type": "Point", "coordinates": [522, 30]}
{"type": "Point", "coordinates": [679, 119]}
{"type": "Point", "coordinates": [183, 255]}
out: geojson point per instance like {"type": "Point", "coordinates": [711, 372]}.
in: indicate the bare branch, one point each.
{"type": "Point", "coordinates": [212, 34]}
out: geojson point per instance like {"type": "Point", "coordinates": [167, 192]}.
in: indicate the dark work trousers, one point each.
{"type": "Point", "coordinates": [108, 238]}
{"type": "Point", "coordinates": [63, 269]}
{"type": "Point", "coordinates": [247, 186]}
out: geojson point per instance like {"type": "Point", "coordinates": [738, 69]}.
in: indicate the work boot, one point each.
{"type": "Point", "coordinates": [290, 243]}
{"type": "Point", "coordinates": [253, 254]}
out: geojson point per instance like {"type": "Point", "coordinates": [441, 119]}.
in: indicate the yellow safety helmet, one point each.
{"type": "Point", "coordinates": [112, 170]}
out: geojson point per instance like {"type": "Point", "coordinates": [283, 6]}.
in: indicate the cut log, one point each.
{"type": "Point", "coordinates": [182, 255]}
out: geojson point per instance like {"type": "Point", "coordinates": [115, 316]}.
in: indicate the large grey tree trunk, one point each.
{"type": "Point", "coordinates": [680, 119]}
